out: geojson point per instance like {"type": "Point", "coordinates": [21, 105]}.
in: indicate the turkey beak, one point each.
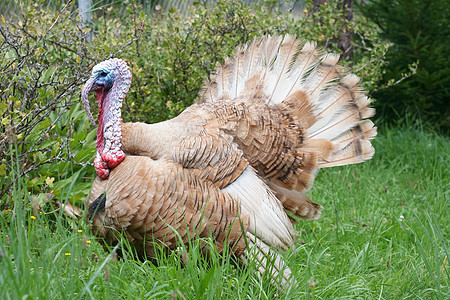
{"type": "Point", "coordinates": [88, 87]}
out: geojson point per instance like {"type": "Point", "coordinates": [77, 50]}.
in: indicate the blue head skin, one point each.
{"type": "Point", "coordinates": [105, 78]}
{"type": "Point", "coordinates": [104, 74]}
{"type": "Point", "coordinates": [110, 79]}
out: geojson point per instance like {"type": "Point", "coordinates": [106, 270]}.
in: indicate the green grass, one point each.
{"type": "Point", "coordinates": [383, 235]}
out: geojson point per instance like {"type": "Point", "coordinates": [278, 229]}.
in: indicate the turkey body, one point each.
{"type": "Point", "coordinates": [230, 166]}
{"type": "Point", "coordinates": [162, 202]}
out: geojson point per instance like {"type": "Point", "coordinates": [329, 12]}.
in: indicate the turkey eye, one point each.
{"type": "Point", "coordinates": [103, 74]}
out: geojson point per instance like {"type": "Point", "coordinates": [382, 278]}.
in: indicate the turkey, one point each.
{"type": "Point", "coordinates": [236, 165]}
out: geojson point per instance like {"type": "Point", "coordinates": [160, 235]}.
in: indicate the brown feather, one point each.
{"type": "Point", "coordinates": [154, 215]}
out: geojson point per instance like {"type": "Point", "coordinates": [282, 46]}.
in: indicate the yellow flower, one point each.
{"type": "Point", "coordinates": [68, 254]}
{"type": "Point", "coordinates": [79, 230]}
{"type": "Point", "coordinates": [49, 181]}
{"type": "Point", "coordinates": [88, 242]}
{"type": "Point", "coordinates": [33, 218]}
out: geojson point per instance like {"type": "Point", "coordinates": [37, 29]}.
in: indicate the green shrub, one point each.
{"type": "Point", "coordinates": [43, 63]}
{"type": "Point", "coordinates": [178, 53]}
{"type": "Point", "coordinates": [45, 60]}
{"type": "Point", "coordinates": [418, 31]}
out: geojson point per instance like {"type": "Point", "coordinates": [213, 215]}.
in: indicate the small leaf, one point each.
{"type": "Point", "coordinates": [48, 73]}
{"type": "Point", "coordinates": [2, 170]}
{"type": "Point", "coordinates": [5, 121]}
{"type": "Point", "coordinates": [3, 107]}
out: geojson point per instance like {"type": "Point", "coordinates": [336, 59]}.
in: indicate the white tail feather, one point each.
{"type": "Point", "coordinates": [299, 66]}
{"type": "Point", "coordinates": [267, 217]}
{"type": "Point", "coordinates": [365, 131]}
{"type": "Point", "coordinates": [328, 103]}
{"type": "Point", "coordinates": [334, 124]}
{"type": "Point", "coordinates": [267, 260]}
{"type": "Point", "coordinates": [275, 85]}
{"type": "Point", "coordinates": [353, 153]}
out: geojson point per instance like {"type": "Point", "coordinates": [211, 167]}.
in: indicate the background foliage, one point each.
{"type": "Point", "coordinates": [419, 33]}
{"type": "Point", "coordinates": [384, 231]}
{"type": "Point", "coordinates": [46, 59]}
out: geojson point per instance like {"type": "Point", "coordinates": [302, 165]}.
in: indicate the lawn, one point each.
{"type": "Point", "coordinates": [383, 235]}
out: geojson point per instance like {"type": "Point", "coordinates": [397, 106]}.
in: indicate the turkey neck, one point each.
{"type": "Point", "coordinates": [109, 119]}
{"type": "Point", "coordinates": [153, 140]}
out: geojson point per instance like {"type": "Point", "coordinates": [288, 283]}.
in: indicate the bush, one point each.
{"type": "Point", "coordinates": [46, 137]}
{"type": "Point", "coordinates": [44, 62]}
{"type": "Point", "coordinates": [178, 53]}
{"type": "Point", "coordinates": [418, 31]}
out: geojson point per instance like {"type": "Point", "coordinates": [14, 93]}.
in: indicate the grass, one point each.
{"type": "Point", "coordinates": [383, 235]}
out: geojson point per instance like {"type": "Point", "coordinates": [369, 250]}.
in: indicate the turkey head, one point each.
{"type": "Point", "coordinates": [111, 80]}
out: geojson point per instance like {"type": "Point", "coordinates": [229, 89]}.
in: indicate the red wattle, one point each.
{"type": "Point", "coordinates": [101, 168]}
{"type": "Point", "coordinates": [109, 158]}
{"type": "Point", "coordinates": [120, 156]}
{"type": "Point", "coordinates": [113, 160]}
{"type": "Point", "coordinates": [102, 173]}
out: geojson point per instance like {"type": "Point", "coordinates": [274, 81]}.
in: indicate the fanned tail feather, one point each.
{"type": "Point", "coordinates": [312, 88]}
{"type": "Point", "coordinates": [300, 64]}
{"type": "Point", "coordinates": [277, 77]}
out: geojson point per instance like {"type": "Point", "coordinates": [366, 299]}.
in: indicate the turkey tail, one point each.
{"type": "Point", "coordinates": [321, 108]}
{"type": "Point", "coordinates": [267, 260]}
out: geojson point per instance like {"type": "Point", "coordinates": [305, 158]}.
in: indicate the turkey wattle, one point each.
{"type": "Point", "coordinates": [230, 166]}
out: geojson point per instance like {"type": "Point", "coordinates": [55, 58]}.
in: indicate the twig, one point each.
{"type": "Point", "coordinates": [405, 76]}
